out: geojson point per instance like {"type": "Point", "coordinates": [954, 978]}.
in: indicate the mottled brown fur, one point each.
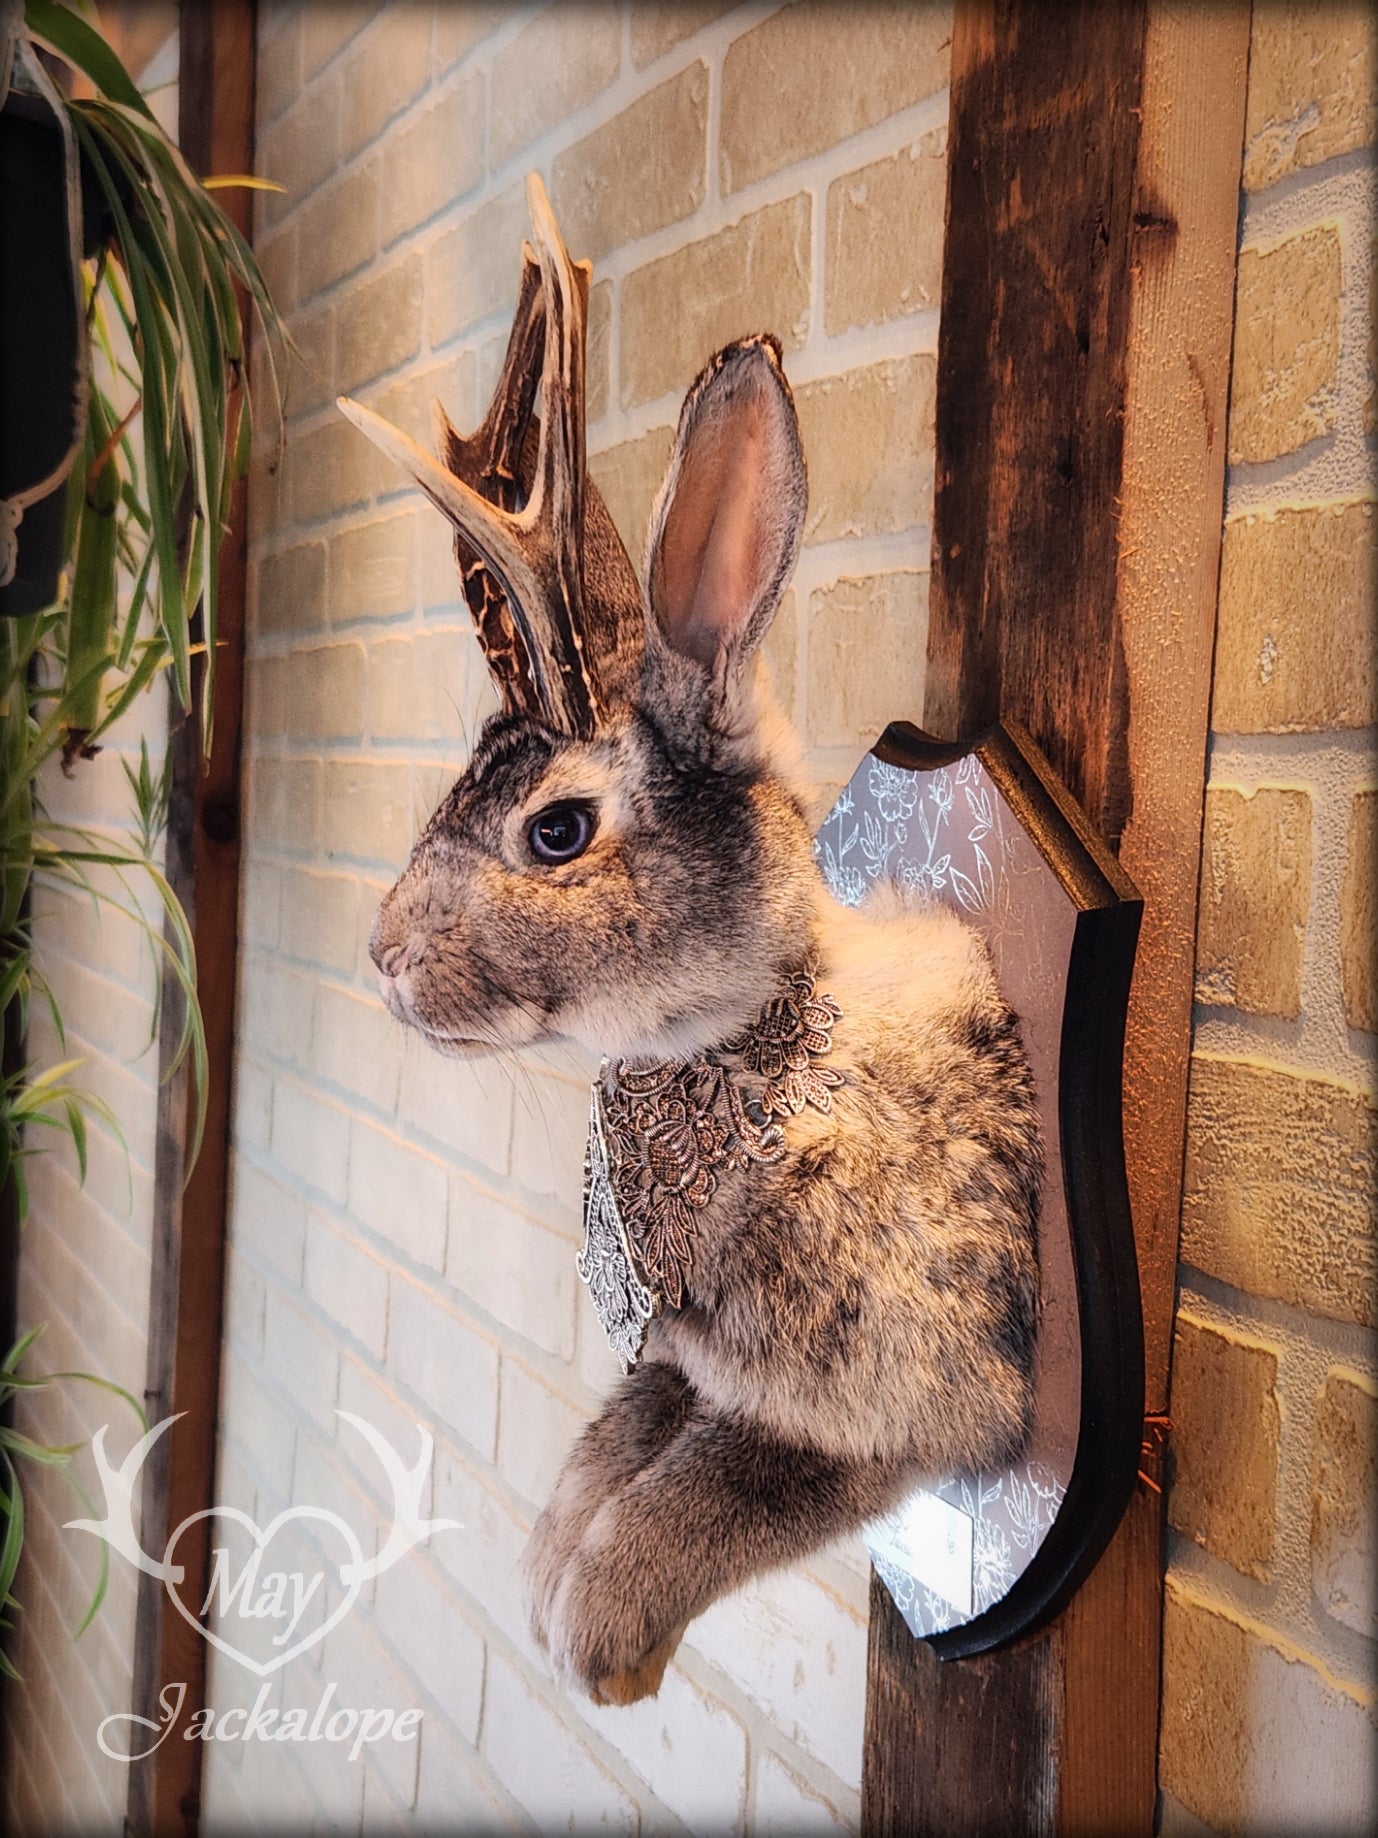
{"type": "Point", "coordinates": [860, 1314]}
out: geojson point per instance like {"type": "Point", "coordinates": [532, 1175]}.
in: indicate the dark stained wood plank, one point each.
{"type": "Point", "coordinates": [983, 1760]}
{"type": "Point", "coordinates": [1082, 383]}
{"type": "Point", "coordinates": [216, 114]}
{"type": "Point", "coordinates": [1030, 408]}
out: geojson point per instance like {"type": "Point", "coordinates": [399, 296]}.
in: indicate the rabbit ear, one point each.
{"type": "Point", "coordinates": [725, 530]}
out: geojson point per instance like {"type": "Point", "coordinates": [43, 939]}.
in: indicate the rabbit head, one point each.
{"type": "Point", "coordinates": [625, 860]}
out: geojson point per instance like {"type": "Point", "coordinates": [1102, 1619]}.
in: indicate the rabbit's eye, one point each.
{"type": "Point", "coordinates": [560, 832]}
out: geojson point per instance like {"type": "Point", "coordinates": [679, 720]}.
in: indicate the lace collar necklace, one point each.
{"type": "Point", "coordinates": [660, 1135]}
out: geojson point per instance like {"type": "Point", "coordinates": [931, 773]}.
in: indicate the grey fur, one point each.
{"type": "Point", "coordinates": [858, 1316]}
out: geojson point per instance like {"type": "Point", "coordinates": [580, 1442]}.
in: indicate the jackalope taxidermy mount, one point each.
{"type": "Point", "coordinates": [814, 1159]}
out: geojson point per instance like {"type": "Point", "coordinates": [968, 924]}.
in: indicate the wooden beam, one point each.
{"type": "Point", "coordinates": [1094, 158]}
{"type": "Point", "coordinates": [216, 115]}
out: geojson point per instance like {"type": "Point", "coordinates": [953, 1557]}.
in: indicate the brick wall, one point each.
{"type": "Point", "coordinates": [403, 1228]}
{"type": "Point", "coordinates": [1271, 1620]}
{"type": "Point", "coordinates": [85, 1272]}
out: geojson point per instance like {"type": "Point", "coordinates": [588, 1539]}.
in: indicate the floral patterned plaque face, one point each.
{"type": "Point", "coordinates": [955, 1549]}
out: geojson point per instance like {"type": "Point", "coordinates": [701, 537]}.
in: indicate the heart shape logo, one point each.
{"type": "Point", "coordinates": [232, 1586]}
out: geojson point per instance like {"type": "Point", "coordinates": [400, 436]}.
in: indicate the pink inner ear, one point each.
{"type": "Point", "coordinates": [711, 560]}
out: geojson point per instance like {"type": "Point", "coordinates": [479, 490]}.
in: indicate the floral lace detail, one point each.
{"type": "Point", "coordinates": [791, 1032]}
{"type": "Point", "coordinates": [662, 1135]}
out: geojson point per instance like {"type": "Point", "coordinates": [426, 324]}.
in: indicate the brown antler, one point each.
{"type": "Point", "coordinates": [535, 551]}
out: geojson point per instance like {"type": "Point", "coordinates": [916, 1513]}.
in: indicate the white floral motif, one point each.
{"type": "Point", "coordinates": [941, 834]}
{"type": "Point", "coordinates": [895, 791]}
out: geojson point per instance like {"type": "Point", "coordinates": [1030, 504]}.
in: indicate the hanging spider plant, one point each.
{"type": "Point", "coordinates": [166, 434]}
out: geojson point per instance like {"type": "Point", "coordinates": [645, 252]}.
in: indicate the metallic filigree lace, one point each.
{"type": "Point", "coordinates": [662, 1134]}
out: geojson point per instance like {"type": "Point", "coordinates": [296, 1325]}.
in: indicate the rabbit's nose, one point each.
{"type": "Point", "coordinates": [398, 958]}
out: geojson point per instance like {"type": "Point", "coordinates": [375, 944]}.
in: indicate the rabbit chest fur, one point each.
{"type": "Point", "coordinates": [626, 861]}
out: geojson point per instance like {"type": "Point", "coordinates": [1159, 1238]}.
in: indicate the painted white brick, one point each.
{"type": "Point", "coordinates": [267, 1220]}
{"type": "Point", "coordinates": [311, 1138]}
{"type": "Point", "coordinates": [450, 1366]}
{"type": "Point", "coordinates": [364, 1394]}
{"type": "Point", "coordinates": [348, 1281]}
{"type": "Point", "coordinates": [245, 1299]}
{"type": "Point", "coordinates": [253, 1103]}
{"type": "Point", "coordinates": [320, 918]}
{"type": "Point", "coordinates": [452, 1794]}
{"type": "Point", "coordinates": [512, 1267]}
{"type": "Point", "coordinates": [688, 1749]}
{"type": "Point", "coordinates": [465, 1106]}
{"type": "Point", "coordinates": [555, 1777]}
{"type": "Point", "coordinates": [265, 1431]}
{"type": "Point", "coordinates": [398, 1192]}
{"type": "Point", "coordinates": [419, 1620]}
{"type": "Point", "coordinates": [300, 1351]}
{"type": "Point", "coordinates": [787, 1807]}
{"type": "Point", "coordinates": [550, 1127]}
{"type": "Point", "coordinates": [535, 1433]}
{"type": "Point", "coordinates": [484, 1558]}
{"type": "Point", "coordinates": [275, 1009]}
{"type": "Point", "coordinates": [356, 1044]}
{"type": "Point", "coordinates": [795, 1650]}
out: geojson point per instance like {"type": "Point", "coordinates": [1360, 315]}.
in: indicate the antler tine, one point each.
{"type": "Point", "coordinates": [554, 513]}
{"type": "Point", "coordinates": [501, 538]}
{"type": "Point", "coordinates": [534, 552]}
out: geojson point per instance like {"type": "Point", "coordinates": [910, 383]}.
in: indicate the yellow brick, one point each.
{"type": "Point", "coordinates": [781, 653]}
{"type": "Point", "coordinates": [752, 277]}
{"type": "Point", "coordinates": [629, 477]}
{"type": "Point", "coordinates": [1255, 1735]}
{"type": "Point", "coordinates": [854, 625]}
{"type": "Point", "coordinates": [659, 28]}
{"type": "Point", "coordinates": [337, 230]}
{"type": "Point", "coordinates": [562, 60]}
{"type": "Point", "coordinates": [810, 76]}
{"type": "Point", "coordinates": [637, 172]}
{"type": "Point", "coordinates": [1225, 1424]}
{"type": "Point", "coordinates": [290, 593]}
{"type": "Point", "coordinates": [1311, 87]}
{"type": "Point", "coordinates": [598, 353]}
{"type": "Point", "coordinates": [433, 160]}
{"type": "Point", "coordinates": [385, 74]}
{"type": "Point", "coordinates": [1294, 640]}
{"type": "Point", "coordinates": [868, 438]}
{"type": "Point", "coordinates": [1278, 1188]}
{"type": "Point", "coordinates": [1255, 896]}
{"type": "Point", "coordinates": [373, 568]}
{"type": "Point", "coordinates": [379, 324]}
{"type": "Point", "coordinates": [1359, 913]}
{"type": "Point", "coordinates": [1344, 1498]}
{"type": "Point", "coordinates": [885, 237]}
{"type": "Point", "coordinates": [474, 268]}
{"type": "Point", "coordinates": [1284, 386]}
